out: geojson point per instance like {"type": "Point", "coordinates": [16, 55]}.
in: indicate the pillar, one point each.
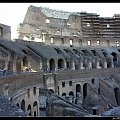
{"type": "Point", "coordinates": [6, 89]}
{"type": "Point", "coordinates": [14, 63]}
{"type": "Point", "coordinates": [56, 65]}
{"type": "Point", "coordinates": [44, 81]}
{"type": "Point", "coordinates": [105, 64]}
{"type": "Point", "coordinates": [48, 65]}
{"type": "Point", "coordinates": [6, 64]}
{"type": "Point", "coordinates": [97, 64]}
{"type": "Point", "coordinates": [112, 65]}
{"type": "Point", "coordinates": [73, 65]}
{"type": "Point", "coordinates": [65, 64]}
{"type": "Point", "coordinates": [89, 64]}
{"type": "Point", "coordinates": [40, 65]}
{"type": "Point", "coordinates": [81, 65]}
{"type": "Point", "coordinates": [56, 83]}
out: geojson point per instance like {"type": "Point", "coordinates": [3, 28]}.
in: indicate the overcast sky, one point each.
{"type": "Point", "coordinates": [13, 13]}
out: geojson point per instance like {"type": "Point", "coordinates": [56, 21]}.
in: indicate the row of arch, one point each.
{"type": "Point", "coordinates": [29, 108]}
{"type": "Point", "coordinates": [84, 56]}
{"type": "Point", "coordinates": [78, 90]}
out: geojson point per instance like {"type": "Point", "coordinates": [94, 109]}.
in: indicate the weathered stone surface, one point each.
{"type": "Point", "coordinates": [7, 108]}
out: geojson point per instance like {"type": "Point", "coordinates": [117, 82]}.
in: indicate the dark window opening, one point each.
{"type": "Point", "coordinates": [94, 112]}
{"type": "Point", "coordinates": [62, 40]}
{"type": "Point", "coordinates": [28, 92]}
{"type": "Point", "coordinates": [70, 83]}
{"type": "Point", "coordinates": [63, 94]}
{"type": "Point", "coordinates": [94, 52]}
{"type": "Point", "coordinates": [93, 81]}
{"type": "Point", "coordinates": [63, 84]}
{"type": "Point", "coordinates": [34, 90]}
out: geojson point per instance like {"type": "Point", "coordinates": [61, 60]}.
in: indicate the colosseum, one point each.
{"type": "Point", "coordinates": [62, 64]}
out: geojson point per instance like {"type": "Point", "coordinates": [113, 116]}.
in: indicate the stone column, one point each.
{"type": "Point", "coordinates": [56, 83]}
{"type": "Point", "coordinates": [112, 65]}
{"type": "Point", "coordinates": [98, 64]}
{"type": "Point", "coordinates": [6, 89]}
{"type": "Point", "coordinates": [6, 64]}
{"type": "Point", "coordinates": [56, 65]}
{"type": "Point", "coordinates": [89, 64]}
{"type": "Point", "coordinates": [73, 65]}
{"type": "Point", "coordinates": [105, 64]}
{"type": "Point", "coordinates": [48, 65]}
{"type": "Point", "coordinates": [65, 64]}
{"type": "Point", "coordinates": [81, 65]}
{"type": "Point", "coordinates": [14, 63]}
{"type": "Point", "coordinates": [22, 65]}
{"type": "Point", "coordinates": [40, 65]}
{"type": "Point", "coordinates": [44, 81]}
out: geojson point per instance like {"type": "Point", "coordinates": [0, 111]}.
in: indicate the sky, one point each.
{"type": "Point", "coordinates": [13, 13]}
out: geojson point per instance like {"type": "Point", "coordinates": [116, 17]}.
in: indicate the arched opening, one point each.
{"type": "Point", "coordinates": [23, 105]}
{"type": "Point", "coordinates": [63, 94]}
{"type": "Point", "coordinates": [114, 59]}
{"type": "Point", "coordinates": [35, 114]}
{"type": "Point", "coordinates": [117, 95]}
{"type": "Point", "coordinates": [18, 104]}
{"type": "Point", "coordinates": [36, 111]}
{"type": "Point", "coordinates": [78, 89]}
{"type": "Point", "coordinates": [93, 52]}
{"type": "Point", "coordinates": [25, 61]}
{"type": "Point", "coordinates": [71, 93]}
{"type": "Point", "coordinates": [58, 50]}
{"type": "Point", "coordinates": [105, 54]}
{"type": "Point", "coordinates": [52, 64]}
{"type": "Point", "coordinates": [108, 64]}
{"type": "Point", "coordinates": [60, 63]}
{"type": "Point", "coordinates": [29, 109]}
{"type": "Point", "coordinates": [75, 51]}
{"type": "Point", "coordinates": [65, 50]}
{"type": "Point", "coordinates": [68, 64]}
{"type": "Point", "coordinates": [51, 91]}
{"type": "Point", "coordinates": [84, 90]}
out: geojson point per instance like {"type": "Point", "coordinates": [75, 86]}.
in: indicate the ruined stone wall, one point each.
{"type": "Point", "coordinates": [57, 106]}
{"type": "Point", "coordinates": [6, 32]}
{"type": "Point", "coordinates": [108, 92]}
{"type": "Point", "coordinates": [19, 81]}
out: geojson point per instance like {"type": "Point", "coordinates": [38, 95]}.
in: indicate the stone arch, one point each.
{"type": "Point", "coordinates": [115, 58]}
{"type": "Point", "coordinates": [75, 51]}
{"type": "Point", "coordinates": [63, 94]}
{"type": "Point", "coordinates": [78, 89]}
{"type": "Point", "coordinates": [117, 96]}
{"type": "Point", "coordinates": [84, 90]}
{"type": "Point", "coordinates": [36, 111]}
{"type": "Point", "coordinates": [71, 93]}
{"type": "Point", "coordinates": [23, 105]}
{"type": "Point", "coordinates": [51, 91]}
{"type": "Point", "coordinates": [18, 104]}
{"type": "Point", "coordinates": [25, 61]}
{"type": "Point", "coordinates": [52, 64]}
{"type": "Point", "coordinates": [108, 61]}
{"type": "Point", "coordinates": [29, 109]}
{"type": "Point", "coordinates": [65, 50]}
{"type": "Point", "coordinates": [60, 63]}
